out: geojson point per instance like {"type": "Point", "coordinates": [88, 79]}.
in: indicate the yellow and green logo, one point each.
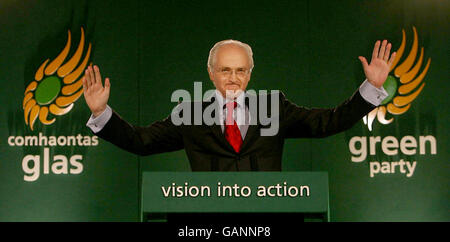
{"type": "Point", "coordinates": [57, 85]}
{"type": "Point", "coordinates": [403, 85]}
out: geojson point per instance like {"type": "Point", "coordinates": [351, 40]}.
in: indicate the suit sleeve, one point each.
{"type": "Point", "coordinates": [158, 137]}
{"type": "Point", "coordinates": [322, 122]}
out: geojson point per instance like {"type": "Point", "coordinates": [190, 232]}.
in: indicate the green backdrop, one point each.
{"type": "Point", "coordinates": [148, 49]}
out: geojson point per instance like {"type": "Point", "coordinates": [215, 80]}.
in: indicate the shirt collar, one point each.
{"type": "Point", "coordinates": [221, 100]}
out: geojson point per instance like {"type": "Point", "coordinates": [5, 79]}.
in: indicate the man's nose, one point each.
{"type": "Point", "coordinates": [233, 76]}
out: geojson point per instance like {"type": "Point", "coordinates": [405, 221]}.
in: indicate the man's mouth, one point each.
{"type": "Point", "coordinates": [232, 85]}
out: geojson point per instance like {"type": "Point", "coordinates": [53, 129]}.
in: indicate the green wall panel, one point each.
{"type": "Point", "coordinates": [148, 49]}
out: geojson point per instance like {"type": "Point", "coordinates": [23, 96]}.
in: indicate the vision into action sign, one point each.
{"type": "Point", "coordinates": [166, 192]}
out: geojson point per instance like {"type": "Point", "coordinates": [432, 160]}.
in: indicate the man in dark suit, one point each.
{"type": "Point", "coordinates": [235, 141]}
{"type": "Point", "coordinates": [232, 143]}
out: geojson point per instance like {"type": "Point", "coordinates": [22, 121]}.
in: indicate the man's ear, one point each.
{"type": "Point", "coordinates": [210, 74]}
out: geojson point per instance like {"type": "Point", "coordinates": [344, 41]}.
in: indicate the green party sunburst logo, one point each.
{"type": "Point", "coordinates": [403, 85]}
{"type": "Point", "coordinates": [57, 85]}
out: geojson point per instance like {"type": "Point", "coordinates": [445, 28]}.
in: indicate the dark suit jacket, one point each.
{"type": "Point", "coordinates": [208, 150]}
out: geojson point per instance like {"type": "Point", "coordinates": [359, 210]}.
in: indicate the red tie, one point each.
{"type": "Point", "coordinates": [232, 133]}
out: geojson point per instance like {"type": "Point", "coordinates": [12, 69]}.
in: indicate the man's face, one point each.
{"type": "Point", "coordinates": [231, 71]}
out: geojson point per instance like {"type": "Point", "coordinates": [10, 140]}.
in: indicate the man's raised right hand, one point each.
{"type": "Point", "coordinates": [95, 94]}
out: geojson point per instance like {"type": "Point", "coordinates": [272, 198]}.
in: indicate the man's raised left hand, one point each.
{"type": "Point", "coordinates": [378, 69]}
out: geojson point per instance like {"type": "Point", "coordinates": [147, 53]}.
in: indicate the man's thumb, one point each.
{"type": "Point", "coordinates": [363, 61]}
{"type": "Point", "coordinates": [107, 83]}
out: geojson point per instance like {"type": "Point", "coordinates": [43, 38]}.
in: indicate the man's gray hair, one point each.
{"type": "Point", "coordinates": [216, 47]}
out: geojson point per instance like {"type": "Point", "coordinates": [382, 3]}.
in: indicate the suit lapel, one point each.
{"type": "Point", "coordinates": [252, 130]}
{"type": "Point", "coordinates": [217, 131]}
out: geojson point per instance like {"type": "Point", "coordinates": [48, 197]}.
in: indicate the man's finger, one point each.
{"type": "Point", "coordinates": [85, 86]}
{"type": "Point", "coordinates": [386, 53]}
{"type": "Point", "coordinates": [376, 48]}
{"type": "Point", "coordinates": [392, 58]}
{"type": "Point", "coordinates": [87, 77]}
{"type": "Point", "coordinates": [91, 75]}
{"type": "Point", "coordinates": [98, 77]}
{"type": "Point", "coordinates": [382, 49]}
